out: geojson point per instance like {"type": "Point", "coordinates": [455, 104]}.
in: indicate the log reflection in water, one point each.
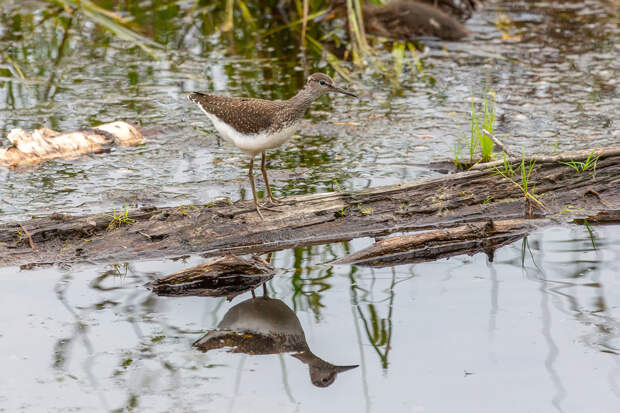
{"type": "Point", "coordinates": [226, 276]}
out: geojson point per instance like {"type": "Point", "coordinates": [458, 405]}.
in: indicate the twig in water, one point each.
{"type": "Point", "coordinates": [498, 142]}
{"type": "Point", "coordinates": [29, 237]}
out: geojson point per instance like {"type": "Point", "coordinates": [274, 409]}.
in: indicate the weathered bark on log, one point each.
{"type": "Point", "coordinates": [227, 277]}
{"type": "Point", "coordinates": [45, 144]}
{"type": "Point", "coordinates": [477, 195]}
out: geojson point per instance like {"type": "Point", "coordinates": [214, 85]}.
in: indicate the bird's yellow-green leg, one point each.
{"type": "Point", "coordinates": [251, 175]}
{"type": "Point", "coordinates": [256, 203]}
{"type": "Point", "coordinates": [263, 168]}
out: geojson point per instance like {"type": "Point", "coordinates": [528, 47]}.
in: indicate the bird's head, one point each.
{"type": "Point", "coordinates": [321, 84]}
{"type": "Point", "coordinates": [324, 375]}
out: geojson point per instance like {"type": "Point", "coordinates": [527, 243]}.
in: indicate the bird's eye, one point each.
{"type": "Point", "coordinates": [322, 82]}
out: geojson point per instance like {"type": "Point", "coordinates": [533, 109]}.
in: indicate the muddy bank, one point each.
{"type": "Point", "coordinates": [479, 195]}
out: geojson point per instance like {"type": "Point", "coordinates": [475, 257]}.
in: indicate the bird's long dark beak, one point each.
{"type": "Point", "coordinates": [344, 92]}
{"type": "Point", "coordinates": [340, 369]}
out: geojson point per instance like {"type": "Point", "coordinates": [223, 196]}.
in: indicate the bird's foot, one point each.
{"type": "Point", "coordinates": [272, 202]}
{"type": "Point", "coordinates": [260, 214]}
{"type": "Point", "coordinates": [266, 206]}
{"type": "Point", "coordinates": [259, 207]}
{"type": "Point", "coordinates": [276, 201]}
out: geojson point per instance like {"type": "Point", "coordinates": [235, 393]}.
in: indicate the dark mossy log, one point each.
{"type": "Point", "coordinates": [444, 201]}
{"type": "Point", "coordinates": [227, 277]}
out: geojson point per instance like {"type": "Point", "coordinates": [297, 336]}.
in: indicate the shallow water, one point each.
{"type": "Point", "coordinates": [536, 330]}
{"type": "Point", "coordinates": [456, 334]}
{"type": "Point", "coordinates": [553, 93]}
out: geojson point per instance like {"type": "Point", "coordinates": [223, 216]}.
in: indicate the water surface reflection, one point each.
{"type": "Point", "coordinates": [268, 326]}
{"type": "Point", "coordinates": [539, 326]}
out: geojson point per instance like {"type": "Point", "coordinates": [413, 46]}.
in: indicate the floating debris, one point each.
{"type": "Point", "coordinates": [45, 144]}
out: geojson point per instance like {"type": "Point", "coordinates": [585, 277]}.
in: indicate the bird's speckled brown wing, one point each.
{"type": "Point", "coordinates": [246, 115]}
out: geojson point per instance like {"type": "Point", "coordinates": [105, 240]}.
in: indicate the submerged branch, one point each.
{"type": "Point", "coordinates": [498, 143]}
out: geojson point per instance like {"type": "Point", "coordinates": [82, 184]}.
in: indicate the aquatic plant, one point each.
{"type": "Point", "coordinates": [507, 166]}
{"type": "Point", "coordinates": [254, 23]}
{"type": "Point", "coordinates": [359, 43]}
{"type": "Point", "coordinates": [524, 185]}
{"type": "Point", "coordinates": [456, 154]}
{"type": "Point", "coordinates": [109, 20]}
{"type": "Point", "coordinates": [579, 166]}
{"type": "Point", "coordinates": [120, 219]}
{"type": "Point", "coordinates": [590, 232]}
{"type": "Point", "coordinates": [378, 329]}
{"type": "Point", "coordinates": [479, 140]}
{"type": "Point", "coordinates": [525, 245]}
{"type": "Point", "coordinates": [480, 121]}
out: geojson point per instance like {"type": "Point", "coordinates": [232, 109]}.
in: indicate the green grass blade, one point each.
{"type": "Point", "coordinates": [112, 22]}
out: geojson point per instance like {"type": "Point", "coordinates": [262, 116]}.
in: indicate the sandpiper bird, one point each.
{"type": "Point", "coordinates": [255, 125]}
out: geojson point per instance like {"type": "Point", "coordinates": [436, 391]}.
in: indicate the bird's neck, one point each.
{"type": "Point", "coordinates": [306, 357]}
{"type": "Point", "coordinates": [302, 100]}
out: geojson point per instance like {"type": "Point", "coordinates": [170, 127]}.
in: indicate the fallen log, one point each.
{"type": "Point", "coordinates": [219, 228]}
{"type": "Point", "coordinates": [45, 144]}
{"type": "Point", "coordinates": [607, 217]}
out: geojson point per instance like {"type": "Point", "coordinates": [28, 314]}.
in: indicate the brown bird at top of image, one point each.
{"type": "Point", "coordinates": [404, 20]}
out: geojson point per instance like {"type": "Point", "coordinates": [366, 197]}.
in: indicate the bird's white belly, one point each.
{"type": "Point", "coordinates": [252, 143]}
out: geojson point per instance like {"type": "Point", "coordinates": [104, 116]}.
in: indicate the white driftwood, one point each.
{"type": "Point", "coordinates": [45, 144]}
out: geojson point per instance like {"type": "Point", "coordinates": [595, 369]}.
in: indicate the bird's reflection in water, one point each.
{"type": "Point", "coordinates": [268, 326]}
